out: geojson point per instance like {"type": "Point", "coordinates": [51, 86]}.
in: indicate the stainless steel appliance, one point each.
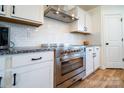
{"type": "Point", "coordinates": [69, 65]}
{"type": "Point", "coordinates": [4, 38]}
{"type": "Point", "coordinates": [58, 13]}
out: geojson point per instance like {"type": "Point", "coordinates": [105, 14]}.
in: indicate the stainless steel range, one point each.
{"type": "Point", "coordinates": [69, 65]}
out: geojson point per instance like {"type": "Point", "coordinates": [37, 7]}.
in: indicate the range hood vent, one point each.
{"type": "Point", "coordinates": [60, 15]}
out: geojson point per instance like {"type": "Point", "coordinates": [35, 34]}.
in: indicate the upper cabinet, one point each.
{"type": "Point", "coordinates": [2, 10]}
{"type": "Point", "coordinates": [83, 25]}
{"type": "Point", "coordinates": [27, 12]}
{"type": "Point", "coordinates": [88, 23]}
{"type": "Point", "coordinates": [23, 14]}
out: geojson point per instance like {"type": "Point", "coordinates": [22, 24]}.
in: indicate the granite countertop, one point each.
{"type": "Point", "coordinates": [21, 50]}
{"type": "Point", "coordinates": [91, 45]}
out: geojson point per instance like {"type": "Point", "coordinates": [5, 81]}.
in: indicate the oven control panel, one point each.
{"type": "Point", "coordinates": [71, 53]}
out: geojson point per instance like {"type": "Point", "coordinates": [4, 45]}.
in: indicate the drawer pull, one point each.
{"type": "Point", "coordinates": [0, 81]}
{"type": "Point", "coordinates": [14, 76]}
{"type": "Point", "coordinates": [33, 59]}
{"type": "Point", "coordinates": [2, 8]}
{"type": "Point", "coordinates": [13, 9]}
{"type": "Point", "coordinates": [97, 48]}
{"type": "Point", "coordinates": [90, 49]}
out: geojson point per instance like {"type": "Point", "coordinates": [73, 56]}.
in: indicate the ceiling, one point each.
{"type": "Point", "coordinates": [88, 7]}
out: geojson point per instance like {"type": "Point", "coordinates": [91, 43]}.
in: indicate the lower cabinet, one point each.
{"type": "Point", "coordinates": [92, 59]}
{"type": "Point", "coordinates": [1, 79]}
{"type": "Point", "coordinates": [31, 70]}
{"type": "Point", "coordinates": [89, 60]}
{"type": "Point", "coordinates": [96, 56]}
{"type": "Point", "coordinates": [2, 63]}
{"type": "Point", "coordinates": [34, 76]}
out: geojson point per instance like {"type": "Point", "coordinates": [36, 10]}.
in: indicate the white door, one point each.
{"type": "Point", "coordinates": [36, 76]}
{"type": "Point", "coordinates": [89, 60]}
{"type": "Point", "coordinates": [30, 12]}
{"type": "Point", "coordinates": [96, 57]}
{"type": "Point", "coordinates": [112, 27]}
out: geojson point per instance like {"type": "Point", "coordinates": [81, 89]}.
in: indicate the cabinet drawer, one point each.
{"type": "Point", "coordinates": [26, 59]}
{"type": "Point", "coordinates": [89, 50]}
{"type": "Point", "coordinates": [71, 81]}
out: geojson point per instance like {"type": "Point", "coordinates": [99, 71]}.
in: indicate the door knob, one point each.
{"type": "Point", "coordinates": [107, 43]}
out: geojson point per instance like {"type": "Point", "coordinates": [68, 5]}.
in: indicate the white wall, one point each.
{"type": "Point", "coordinates": [51, 31]}
{"type": "Point", "coordinates": [95, 37]}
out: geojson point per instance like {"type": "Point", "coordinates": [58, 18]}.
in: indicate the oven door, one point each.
{"type": "Point", "coordinates": [67, 69]}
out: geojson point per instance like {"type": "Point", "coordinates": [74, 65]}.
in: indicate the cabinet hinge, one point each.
{"type": "Point", "coordinates": [121, 19]}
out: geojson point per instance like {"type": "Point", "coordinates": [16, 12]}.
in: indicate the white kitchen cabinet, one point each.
{"type": "Point", "coordinates": [2, 62]}
{"type": "Point", "coordinates": [5, 67]}
{"type": "Point", "coordinates": [89, 60]}
{"type": "Point", "coordinates": [96, 57]}
{"type": "Point", "coordinates": [79, 24]}
{"type": "Point", "coordinates": [2, 10]}
{"type": "Point", "coordinates": [28, 12]}
{"type": "Point", "coordinates": [1, 79]}
{"type": "Point", "coordinates": [32, 58]}
{"type": "Point", "coordinates": [34, 76]}
{"type": "Point", "coordinates": [92, 59]}
{"type": "Point", "coordinates": [88, 23]}
{"type": "Point", "coordinates": [34, 70]}
{"type": "Point", "coordinates": [83, 25]}
{"type": "Point", "coordinates": [2, 71]}
{"type": "Point", "coordinates": [22, 14]}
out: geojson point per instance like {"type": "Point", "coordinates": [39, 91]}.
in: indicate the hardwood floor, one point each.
{"type": "Point", "coordinates": [108, 78]}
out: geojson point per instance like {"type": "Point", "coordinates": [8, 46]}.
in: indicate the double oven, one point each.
{"type": "Point", "coordinates": [70, 65]}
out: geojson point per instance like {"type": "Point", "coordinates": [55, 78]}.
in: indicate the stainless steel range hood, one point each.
{"type": "Point", "coordinates": [52, 12]}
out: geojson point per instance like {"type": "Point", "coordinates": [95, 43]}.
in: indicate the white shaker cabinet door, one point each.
{"type": "Point", "coordinates": [27, 12]}
{"type": "Point", "coordinates": [2, 9]}
{"type": "Point", "coordinates": [79, 24]}
{"type": "Point", "coordinates": [35, 76]}
{"type": "Point", "coordinates": [89, 60]}
{"type": "Point", "coordinates": [96, 57]}
{"type": "Point", "coordinates": [88, 23]}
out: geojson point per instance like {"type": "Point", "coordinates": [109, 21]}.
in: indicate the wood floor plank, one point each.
{"type": "Point", "coordinates": [108, 78]}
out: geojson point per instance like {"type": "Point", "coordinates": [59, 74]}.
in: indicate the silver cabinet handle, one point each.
{"type": "Point", "coordinates": [97, 48]}
{"type": "Point", "coordinates": [94, 54]}
{"type": "Point", "coordinates": [0, 81]}
{"type": "Point", "coordinates": [90, 49]}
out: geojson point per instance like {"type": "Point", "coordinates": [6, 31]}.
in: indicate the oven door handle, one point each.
{"type": "Point", "coordinates": [70, 59]}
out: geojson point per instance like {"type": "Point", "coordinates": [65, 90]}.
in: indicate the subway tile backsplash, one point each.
{"type": "Point", "coordinates": [51, 31]}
